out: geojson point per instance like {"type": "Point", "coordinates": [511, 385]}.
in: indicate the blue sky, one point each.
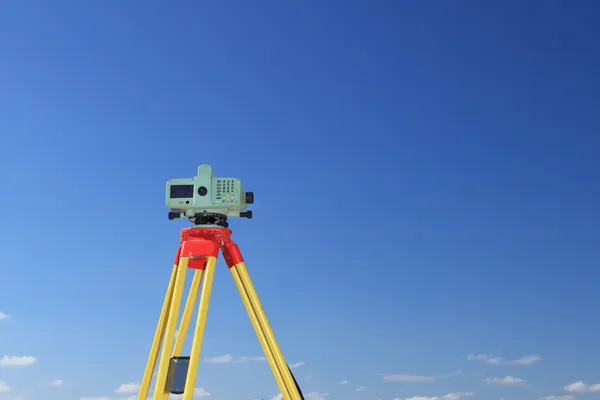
{"type": "Point", "coordinates": [426, 178]}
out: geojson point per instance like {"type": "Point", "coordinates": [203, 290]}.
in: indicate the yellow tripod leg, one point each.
{"type": "Point", "coordinates": [271, 341]}
{"type": "Point", "coordinates": [165, 356]}
{"type": "Point", "coordinates": [190, 383]}
{"type": "Point", "coordinates": [158, 337]}
{"type": "Point", "coordinates": [187, 313]}
{"type": "Point", "coordinates": [261, 335]}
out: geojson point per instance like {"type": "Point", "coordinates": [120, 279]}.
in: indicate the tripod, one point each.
{"type": "Point", "coordinates": [199, 250]}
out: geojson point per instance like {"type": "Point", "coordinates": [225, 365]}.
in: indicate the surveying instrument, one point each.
{"type": "Point", "coordinates": [207, 202]}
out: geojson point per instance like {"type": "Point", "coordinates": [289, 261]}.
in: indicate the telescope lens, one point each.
{"type": "Point", "coordinates": [202, 191]}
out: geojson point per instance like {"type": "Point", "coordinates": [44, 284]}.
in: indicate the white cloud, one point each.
{"type": "Point", "coordinates": [449, 396]}
{"type": "Point", "coordinates": [488, 358]}
{"type": "Point", "coordinates": [198, 392]}
{"type": "Point", "coordinates": [457, 395]}
{"type": "Point", "coordinates": [17, 398]}
{"type": "Point", "coordinates": [298, 364]}
{"type": "Point", "coordinates": [360, 389]}
{"type": "Point", "coordinates": [581, 387]}
{"type": "Point", "coordinates": [308, 377]}
{"type": "Point", "coordinates": [506, 381]}
{"type": "Point", "coordinates": [308, 396]}
{"type": "Point", "coordinates": [230, 359]}
{"type": "Point", "coordinates": [220, 359]}
{"type": "Point", "coordinates": [128, 388]}
{"type": "Point", "coordinates": [57, 382]}
{"type": "Point", "coordinates": [406, 378]}
{"type": "Point", "coordinates": [526, 360]}
{"type": "Point", "coordinates": [4, 388]}
{"type": "Point", "coordinates": [4, 316]}
{"type": "Point", "coordinates": [345, 382]}
{"type": "Point", "coordinates": [458, 372]}
{"type": "Point", "coordinates": [577, 387]}
{"type": "Point", "coordinates": [566, 397]}
{"type": "Point", "coordinates": [316, 396]}
{"type": "Point", "coordinates": [494, 360]}
{"type": "Point", "coordinates": [419, 378]}
{"type": "Point", "coordinates": [13, 361]}
{"type": "Point", "coordinates": [133, 397]}
{"type": "Point", "coordinates": [418, 398]}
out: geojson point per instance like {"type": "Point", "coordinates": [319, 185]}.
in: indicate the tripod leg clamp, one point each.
{"type": "Point", "coordinates": [198, 251]}
{"type": "Point", "coordinates": [232, 255]}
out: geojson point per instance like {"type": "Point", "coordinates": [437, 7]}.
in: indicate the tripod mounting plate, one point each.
{"type": "Point", "coordinates": [209, 219]}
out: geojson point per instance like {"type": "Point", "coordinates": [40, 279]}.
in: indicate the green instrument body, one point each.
{"type": "Point", "coordinates": [206, 193]}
